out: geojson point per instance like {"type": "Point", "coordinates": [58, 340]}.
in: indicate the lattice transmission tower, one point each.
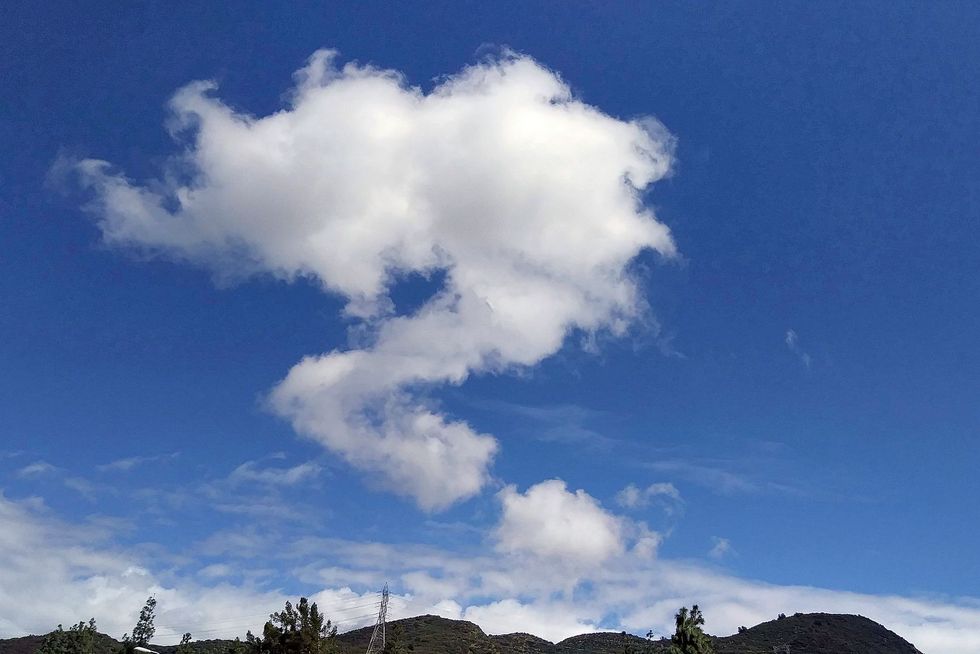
{"type": "Point", "coordinates": [377, 644]}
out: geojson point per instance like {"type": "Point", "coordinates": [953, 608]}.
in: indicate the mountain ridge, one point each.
{"type": "Point", "coordinates": [803, 633]}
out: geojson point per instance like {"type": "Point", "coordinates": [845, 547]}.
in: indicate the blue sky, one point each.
{"type": "Point", "coordinates": [785, 383]}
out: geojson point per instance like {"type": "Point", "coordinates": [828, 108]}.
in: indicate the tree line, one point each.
{"type": "Point", "coordinates": [303, 629]}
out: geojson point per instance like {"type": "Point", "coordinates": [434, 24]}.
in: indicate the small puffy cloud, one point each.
{"type": "Point", "coordinates": [551, 522]}
{"type": "Point", "coordinates": [524, 199]}
{"type": "Point", "coordinates": [722, 547]}
{"type": "Point", "coordinates": [634, 497]}
{"type": "Point", "coordinates": [36, 469]}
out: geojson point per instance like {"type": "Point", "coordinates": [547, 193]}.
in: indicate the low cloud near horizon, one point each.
{"type": "Point", "coordinates": [76, 572]}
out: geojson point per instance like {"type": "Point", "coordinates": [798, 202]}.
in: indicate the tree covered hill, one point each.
{"type": "Point", "coordinates": [810, 633]}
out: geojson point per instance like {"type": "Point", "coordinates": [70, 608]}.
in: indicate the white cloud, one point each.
{"type": "Point", "coordinates": [630, 592]}
{"type": "Point", "coordinates": [550, 522]}
{"type": "Point", "coordinates": [529, 200]}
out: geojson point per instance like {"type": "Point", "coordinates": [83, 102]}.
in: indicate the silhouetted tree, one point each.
{"type": "Point", "coordinates": [237, 647]}
{"type": "Point", "coordinates": [688, 636]}
{"type": "Point", "coordinates": [299, 630]}
{"type": "Point", "coordinates": [395, 641]}
{"type": "Point", "coordinates": [79, 639]}
{"type": "Point", "coordinates": [185, 645]}
{"type": "Point", "coordinates": [144, 629]}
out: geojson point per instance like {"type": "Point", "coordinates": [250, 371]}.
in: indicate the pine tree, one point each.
{"type": "Point", "coordinates": [688, 636]}
{"type": "Point", "coordinates": [395, 642]}
{"type": "Point", "coordinates": [79, 639]}
{"type": "Point", "coordinates": [299, 630]}
{"type": "Point", "coordinates": [144, 629]}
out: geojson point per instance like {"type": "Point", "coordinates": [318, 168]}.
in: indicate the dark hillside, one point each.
{"type": "Point", "coordinates": [609, 642]}
{"type": "Point", "coordinates": [425, 633]}
{"type": "Point", "coordinates": [521, 642]}
{"type": "Point", "coordinates": [811, 633]}
{"type": "Point", "coordinates": [817, 633]}
{"type": "Point", "coordinates": [22, 645]}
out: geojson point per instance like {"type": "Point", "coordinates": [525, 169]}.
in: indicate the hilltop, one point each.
{"type": "Point", "coordinates": [803, 633]}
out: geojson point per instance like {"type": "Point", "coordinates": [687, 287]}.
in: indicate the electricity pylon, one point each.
{"type": "Point", "coordinates": [377, 644]}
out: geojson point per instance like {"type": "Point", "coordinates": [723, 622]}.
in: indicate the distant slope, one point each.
{"type": "Point", "coordinates": [521, 642]}
{"type": "Point", "coordinates": [22, 645]}
{"type": "Point", "coordinates": [817, 633]}
{"type": "Point", "coordinates": [810, 633]}
{"type": "Point", "coordinates": [425, 633]}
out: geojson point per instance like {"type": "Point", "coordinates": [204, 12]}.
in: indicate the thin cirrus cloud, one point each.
{"type": "Point", "coordinates": [250, 471]}
{"type": "Point", "coordinates": [36, 469]}
{"type": "Point", "coordinates": [129, 463]}
{"type": "Point", "coordinates": [526, 199]}
{"type": "Point", "coordinates": [792, 340]}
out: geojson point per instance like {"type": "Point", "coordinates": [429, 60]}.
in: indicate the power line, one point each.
{"type": "Point", "coordinates": [231, 627]}
{"type": "Point", "coordinates": [227, 624]}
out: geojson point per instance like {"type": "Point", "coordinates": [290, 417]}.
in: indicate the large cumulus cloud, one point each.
{"type": "Point", "coordinates": [526, 199]}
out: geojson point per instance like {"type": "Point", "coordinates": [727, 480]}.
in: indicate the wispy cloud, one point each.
{"type": "Point", "coordinates": [131, 462]}
{"type": "Point", "coordinates": [36, 469]}
{"type": "Point", "coordinates": [556, 423]}
{"type": "Point", "coordinates": [251, 472]}
{"type": "Point", "coordinates": [664, 494]}
{"type": "Point", "coordinates": [82, 486]}
{"type": "Point", "coordinates": [712, 475]}
{"type": "Point", "coordinates": [792, 341]}
{"type": "Point", "coordinates": [722, 547]}
{"type": "Point", "coordinates": [251, 489]}
{"type": "Point", "coordinates": [260, 491]}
